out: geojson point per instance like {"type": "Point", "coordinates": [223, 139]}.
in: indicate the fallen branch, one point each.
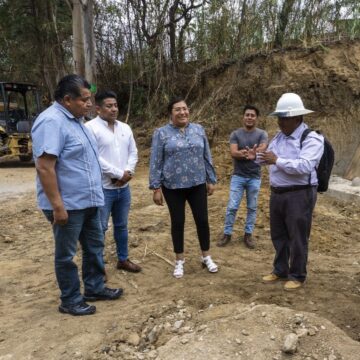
{"type": "Point", "coordinates": [163, 258]}
{"type": "Point", "coordinates": [145, 251]}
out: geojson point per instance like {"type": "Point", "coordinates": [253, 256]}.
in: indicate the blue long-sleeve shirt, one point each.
{"type": "Point", "coordinates": [180, 158]}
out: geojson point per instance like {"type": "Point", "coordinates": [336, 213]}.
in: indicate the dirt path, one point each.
{"type": "Point", "coordinates": [31, 327]}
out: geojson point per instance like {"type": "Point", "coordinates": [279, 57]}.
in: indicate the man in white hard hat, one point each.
{"type": "Point", "coordinates": [293, 183]}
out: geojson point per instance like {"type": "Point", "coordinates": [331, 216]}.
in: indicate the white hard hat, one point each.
{"type": "Point", "coordinates": [289, 105]}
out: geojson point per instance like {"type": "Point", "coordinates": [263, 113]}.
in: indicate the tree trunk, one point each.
{"type": "Point", "coordinates": [84, 39]}
{"type": "Point", "coordinates": [283, 21]}
{"type": "Point", "coordinates": [78, 37]}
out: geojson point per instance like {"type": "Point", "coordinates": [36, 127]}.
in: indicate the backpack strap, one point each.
{"type": "Point", "coordinates": [305, 133]}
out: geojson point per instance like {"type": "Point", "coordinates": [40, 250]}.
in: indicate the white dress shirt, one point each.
{"type": "Point", "coordinates": [294, 165]}
{"type": "Point", "coordinates": [117, 149]}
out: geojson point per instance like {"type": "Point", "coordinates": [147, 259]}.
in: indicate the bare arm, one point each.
{"type": "Point", "coordinates": [262, 147]}
{"type": "Point", "coordinates": [236, 153]}
{"type": "Point", "coordinates": [45, 167]}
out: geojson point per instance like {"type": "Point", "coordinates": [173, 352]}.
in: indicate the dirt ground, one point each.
{"type": "Point", "coordinates": [158, 313]}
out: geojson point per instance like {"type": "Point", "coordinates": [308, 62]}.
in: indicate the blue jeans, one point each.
{"type": "Point", "coordinates": [238, 185]}
{"type": "Point", "coordinates": [83, 225]}
{"type": "Point", "coordinates": [117, 204]}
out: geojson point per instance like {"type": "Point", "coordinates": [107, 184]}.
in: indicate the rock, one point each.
{"type": "Point", "coordinates": [332, 357]}
{"type": "Point", "coordinates": [302, 332]}
{"type": "Point", "coordinates": [202, 327]}
{"type": "Point", "coordinates": [355, 181]}
{"type": "Point", "coordinates": [133, 339]}
{"type": "Point", "coordinates": [186, 329]}
{"type": "Point", "coordinates": [184, 341]}
{"type": "Point", "coordinates": [272, 337]}
{"type": "Point", "coordinates": [180, 303]}
{"type": "Point", "coordinates": [245, 333]}
{"type": "Point", "coordinates": [290, 344]}
{"type": "Point", "coordinates": [178, 324]}
{"type": "Point", "coordinates": [154, 333]}
{"type": "Point", "coordinates": [6, 357]}
{"type": "Point", "coordinates": [152, 354]}
{"type": "Point", "coordinates": [238, 341]}
{"type": "Point", "coordinates": [263, 314]}
{"type": "Point", "coordinates": [299, 318]}
{"type": "Point", "coordinates": [77, 355]}
{"type": "Point", "coordinates": [323, 327]}
{"type": "Point", "coordinates": [312, 332]}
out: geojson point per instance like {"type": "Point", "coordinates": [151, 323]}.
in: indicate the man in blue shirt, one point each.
{"type": "Point", "coordinates": [293, 181]}
{"type": "Point", "coordinates": [69, 192]}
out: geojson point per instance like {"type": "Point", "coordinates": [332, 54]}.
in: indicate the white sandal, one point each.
{"type": "Point", "coordinates": [207, 262]}
{"type": "Point", "coordinates": [179, 269]}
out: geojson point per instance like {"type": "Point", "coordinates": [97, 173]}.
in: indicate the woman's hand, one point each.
{"type": "Point", "coordinates": [158, 197]}
{"type": "Point", "coordinates": [210, 189]}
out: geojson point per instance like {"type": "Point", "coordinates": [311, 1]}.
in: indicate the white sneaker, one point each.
{"type": "Point", "coordinates": [207, 262]}
{"type": "Point", "coordinates": [179, 269]}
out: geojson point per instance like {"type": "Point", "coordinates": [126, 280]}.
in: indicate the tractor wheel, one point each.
{"type": "Point", "coordinates": [25, 158]}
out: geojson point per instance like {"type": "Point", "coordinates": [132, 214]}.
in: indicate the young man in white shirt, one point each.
{"type": "Point", "coordinates": [118, 158]}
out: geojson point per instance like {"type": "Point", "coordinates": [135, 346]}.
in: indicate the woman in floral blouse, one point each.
{"type": "Point", "coordinates": [181, 170]}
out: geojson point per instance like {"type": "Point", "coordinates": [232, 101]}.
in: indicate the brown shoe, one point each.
{"type": "Point", "coordinates": [224, 240]}
{"type": "Point", "coordinates": [128, 265]}
{"type": "Point", "coordinates": [271, 278]}
{"type": "Point", "coordinates": [249, 241]}
{"type": "Point", "coordinates": [293, 285]}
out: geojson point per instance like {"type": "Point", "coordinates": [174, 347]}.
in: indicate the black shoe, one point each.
{"type": "Point", "coordinates": [78, 309]}
{"type": "Point", "coordinates": [105, 294]}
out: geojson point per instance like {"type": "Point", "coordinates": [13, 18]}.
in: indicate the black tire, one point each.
{"type": "Point", "coordinates": [25, 158]}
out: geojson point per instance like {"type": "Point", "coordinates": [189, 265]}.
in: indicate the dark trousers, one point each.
{"type": "Point", "coordinates": [290, 225]}
{"type": "Point", "coordinates": [197, 198]}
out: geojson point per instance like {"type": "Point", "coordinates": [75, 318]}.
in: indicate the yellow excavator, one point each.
{"type": "Point", "coordinates": [19, 106]}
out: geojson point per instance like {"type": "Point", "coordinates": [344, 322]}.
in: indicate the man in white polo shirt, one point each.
{"type": "Point", "coordinates": [118, 158]}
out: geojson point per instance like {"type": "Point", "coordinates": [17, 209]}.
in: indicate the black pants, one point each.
{"type": "Point", "coordinates": [290, 224]}
{"type": "Point", "coordinates": [197, 199]}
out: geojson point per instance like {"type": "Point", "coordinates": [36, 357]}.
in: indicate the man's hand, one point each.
{"type": "Point", "coordinates": [268, 157]}
{"type": "Point", "coordinates": [60, 216]}
{"type": "Point", "coordinates": [251, 153]}
{"type": "Point", "coordinates": [158, 197]}
{"type": "Point", "coordinates": [210, 189]}
{"type": "Point", "coordinates": [45, 167]}
{"type": "Point", "coordinates": [124, 180]}
{"type": "Point", "coordinates": [243, 153]}
{"type": "Point", "coordinates": [126, 177]}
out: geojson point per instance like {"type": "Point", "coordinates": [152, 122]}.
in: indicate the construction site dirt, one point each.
{"type": "Point", "coordinates": [183, 310]}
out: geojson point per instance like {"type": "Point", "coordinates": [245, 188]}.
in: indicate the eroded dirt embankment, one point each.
{"type": "Point", "coordinates": [227, 315]}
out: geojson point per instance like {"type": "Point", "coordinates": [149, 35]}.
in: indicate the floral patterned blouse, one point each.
{"type": "Point", "coordinates": [180, 158]}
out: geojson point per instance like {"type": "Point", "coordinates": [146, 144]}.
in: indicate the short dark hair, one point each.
{"type": "Point", "coordinates": [251, 107]}
{"type": "Point", "coordinates": [173, 101]}
{"type": "Point", "coordinates": [100, 96]}
{"type": "Point", "coordinates": [70, 85]}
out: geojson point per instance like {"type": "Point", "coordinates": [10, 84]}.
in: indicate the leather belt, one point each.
{"type": "Point", "coordinates": [281, 190]}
